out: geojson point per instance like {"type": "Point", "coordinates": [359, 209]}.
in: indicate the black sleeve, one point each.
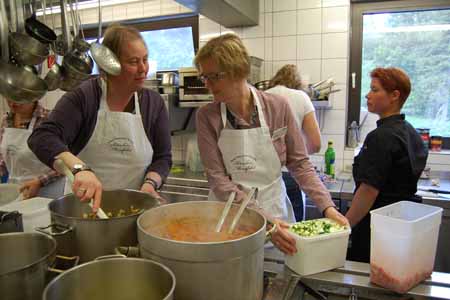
{"type": "Point", "coordinates": [375, 161]}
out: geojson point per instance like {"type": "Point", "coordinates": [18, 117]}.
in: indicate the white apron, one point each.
{"type": "Point", "coordinates": [252, 161]}
{"type": "Point", "coordinates": [21, 162]}
{"type": "Point", "coordinates": [118, 150]}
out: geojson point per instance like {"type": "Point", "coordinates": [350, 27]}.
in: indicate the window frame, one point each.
{"type": "Point", "coordinates": [153, 23]}
{"type": "Point", "coordinates": [358, 9]}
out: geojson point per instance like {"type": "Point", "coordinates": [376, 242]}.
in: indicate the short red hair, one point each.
{"type": "Point", "coordinates": [392, 79]}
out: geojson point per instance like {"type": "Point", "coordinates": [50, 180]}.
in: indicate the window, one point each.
{"type": "Point", "coordinates": [412, 35]}
{"type": "Point", "coordinates": [172, 41]}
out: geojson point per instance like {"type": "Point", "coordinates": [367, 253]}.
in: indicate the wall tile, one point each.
{"type": "Point", "coordinates": [309, 46]}
{"type": "Point", "coordinates": [107, 14]}
{"type": "Point", "coordinates": [268, 24]}
{"type": "Point", "coordinates": [208, 29]}
{"type": "Point", "coordinates": [339, 99]}
{"type": "Point", "coordinates": [284, 23]}
{"type": "Point", "coordinates": [169, 7]}
{"type": "Point", "coordinates": [268, 48]}
{"type": "Point", "coordinates": [135, 10]}
{"type": "Point", "coordinates": [152, 8]}
{"type": "Point", "coordinates": [336, 68]}
{"type": "Point", "coordinates": [255, 46]}
{"type": "Point", "coordinates": [310, 68]}
{"type": "Point", "coordinates": [261, 6]}
{"type": "Point", "coordinates": [119, 13]}
{"type": "Point", "coordinates": [281, 5]}
{"type": "Point", "coordinates": [335, 45]}
{"type": "Point", "coordinates": [329, 3]}
{"type": "Point", "coordinates": [255, 31]}
{"type": "Point", "coordinates": [268, 5]}
{"type": "Point", "coordinates": [334, 122]}
{"type": "Point", "coordinates": [285, 48]}
{"type": "Point", "coordinates": [268, 70]}
{"type": "Point", "coordinates": [309, 21]}
{"type": "Point", "coordinates": [305, 4]}
{"type": "Point", "coordinates": [335, 19]}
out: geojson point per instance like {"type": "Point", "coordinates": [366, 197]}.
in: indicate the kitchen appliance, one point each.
{"type": "Point", "coordinates": [193, 92]}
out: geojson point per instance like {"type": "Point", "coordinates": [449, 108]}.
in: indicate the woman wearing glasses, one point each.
{"type": "Point", "coordinates": [112, 132]}
{"type": "Point", "coordinates": [245, 136]}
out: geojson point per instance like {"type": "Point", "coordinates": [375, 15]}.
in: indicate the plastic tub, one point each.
{"type": "Point", "coordinates": [8, 193]}
{"type": "Point", "coordinates": [403, 245]}
{"type": "Point", "coordinates": [319, 253]}
{"type": "Point", "coordinates": [34, 212]}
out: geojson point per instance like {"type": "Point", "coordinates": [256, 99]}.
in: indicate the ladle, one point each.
{"type": "Point", "coordinates": [63, 169]}
{"type": "Point", "coordinates": [225, 211]}
{"type": "Point", "coordinates": [103, 56]}
{"type": "Point", "coordinates": [253, 192]}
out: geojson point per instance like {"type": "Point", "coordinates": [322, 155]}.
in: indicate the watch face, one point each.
{"type": "Point", "coordinates": [77, 166]}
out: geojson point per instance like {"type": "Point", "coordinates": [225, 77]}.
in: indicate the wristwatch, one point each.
{"type": "Point", "coordinates": [79, 167]}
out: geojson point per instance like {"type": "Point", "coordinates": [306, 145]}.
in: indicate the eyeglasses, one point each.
{"type": "Point", "coordinates": [213, 77]}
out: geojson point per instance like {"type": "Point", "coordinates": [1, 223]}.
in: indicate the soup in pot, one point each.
{"type": "Point", "coordinates": [200, 230]}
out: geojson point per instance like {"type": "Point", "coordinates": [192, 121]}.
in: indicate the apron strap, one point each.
{"type": "Point", "coordinates": [32, 123]}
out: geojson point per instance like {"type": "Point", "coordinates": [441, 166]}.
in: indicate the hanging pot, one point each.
{"type": "Point", "coordinates": [37, 29]}
{"type": "Point", "coordinates": [26, 50]}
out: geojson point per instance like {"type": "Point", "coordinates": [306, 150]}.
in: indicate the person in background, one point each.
{"type": "Point", "coordinates": [390, 162]}
{"type": "Point", "coordinates": [287, 83]}
{"type": "Point", "coordinates": [245, 136]}
{"type": "Point", "coordinates": [17, 160]}
{"type": "Point", "coordinates": [110, 131]}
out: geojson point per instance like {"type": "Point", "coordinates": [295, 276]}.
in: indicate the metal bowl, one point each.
{"type": "Point", "coordinates": [27, 50]}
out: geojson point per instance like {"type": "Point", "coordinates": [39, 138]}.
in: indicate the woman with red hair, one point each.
{"type": "Point", "coordinates": [391, 160]}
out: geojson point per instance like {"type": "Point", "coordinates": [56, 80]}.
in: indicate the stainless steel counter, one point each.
{"type": "Point", "coordinates": [351, 280]}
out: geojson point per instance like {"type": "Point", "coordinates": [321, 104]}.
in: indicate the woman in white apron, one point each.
{"type": "Point", "coordinates": [108, 142]}
{"type": "Point", "coordinates": [246, 136]}
{"type": "Point", "coordinates": [23, 167]}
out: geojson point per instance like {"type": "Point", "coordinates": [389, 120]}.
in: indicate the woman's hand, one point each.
{"type": "Point", "coordinates": [30, 188]}
{"type": "Point", "coordinates": [149, 188]}
{"type": "Point", "coordinates": [332, 213]}
{"type": "Point", "coordinates": [86, 186]}
{"type": "Point", "coordinates": [282, 239]}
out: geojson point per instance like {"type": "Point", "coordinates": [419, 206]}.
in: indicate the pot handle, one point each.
{"type": "Point", "coordinates": [270, 231]}
{"type": "Point", "coordinates": [110, 256]}
{"type": "Point", "coordinates": [127, 251]}
{"type": "Point", "coordinates": [55, 229]}
{"type": "Point", "coordinates": [72, 260]}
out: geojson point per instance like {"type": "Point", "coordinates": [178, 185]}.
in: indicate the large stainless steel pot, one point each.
{"type": "Point", "coordinates": [24, 261]}
{"type": "Point", "coordinates": [91, 238]}
{"type": "Point", "coordinates": [214, 270]}
{"type": "Point", "coordinates": [113, 279]}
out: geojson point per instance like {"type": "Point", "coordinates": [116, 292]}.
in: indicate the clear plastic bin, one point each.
{"type": "Point", "coordinates": [35, 212]}
{"type": "Point", "coordinates": [403, 244]}
{"type": "Point", "coordinates": [319, 253]}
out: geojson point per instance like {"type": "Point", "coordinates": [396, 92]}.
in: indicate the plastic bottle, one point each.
{"type": "Point", "coordinates": [330, 157]}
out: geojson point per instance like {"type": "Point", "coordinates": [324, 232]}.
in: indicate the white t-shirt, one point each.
{"type": "Point", "coordinates": [299, 101]}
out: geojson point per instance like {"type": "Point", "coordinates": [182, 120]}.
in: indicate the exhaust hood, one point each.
{"type": "Point", "coordinates": [229, 13]}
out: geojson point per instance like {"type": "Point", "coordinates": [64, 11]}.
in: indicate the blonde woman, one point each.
{"type": "Point", "coordinates": [287, 83]}
{"type": "Point", "coordinates": [245, 137]}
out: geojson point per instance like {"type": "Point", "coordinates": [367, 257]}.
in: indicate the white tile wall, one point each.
{"type": "Point", "coordinates": [305, 4]}
{"type": "Point", "coordinates": [309, 21]}
{"type": "Point", "coordinates": [280, 5]}
{"type": "Point", "coordinates": [255, 31]}
{"type": "Point", "coordinates": [284, 23]}
{"type": "Point", "coordinates": [309, 46]}
{"type": "Point", "coordinates": [285, 48]}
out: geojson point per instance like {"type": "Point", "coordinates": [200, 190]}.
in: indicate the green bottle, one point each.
{"type": "Point", "coordinates": [330, 157]}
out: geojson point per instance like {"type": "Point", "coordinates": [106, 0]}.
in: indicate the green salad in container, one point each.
{"type": "Point", "coordinates": [316, 227]}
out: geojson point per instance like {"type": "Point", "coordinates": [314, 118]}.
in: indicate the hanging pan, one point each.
{"type": "Point", "coordinates": [37, 29]}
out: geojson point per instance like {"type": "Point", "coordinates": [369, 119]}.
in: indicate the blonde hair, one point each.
{"type": "Point", "coordinates": [116, 34]}
{"type": "Point", "coordinates": [229, 53]}
{"type": "Point", "coordinates": [288, 76]}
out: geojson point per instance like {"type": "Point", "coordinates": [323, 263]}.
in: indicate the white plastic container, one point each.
{"type": "Point", "coordinates": [8, 193]}
{"type": "Point", "coordinates": [319, 253]}
{"type": "Point", "coordinates": [403, 244]}
{"type": "Point", "coordinates": [34, 212]}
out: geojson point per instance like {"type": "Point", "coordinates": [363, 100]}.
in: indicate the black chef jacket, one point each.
{"type": "Point", "coordinates": [391, 160]}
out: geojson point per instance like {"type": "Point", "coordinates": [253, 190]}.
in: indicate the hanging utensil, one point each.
{"type": "Point", "coordinates": [225, 211]}
{"type": "Point", "coordinates": [61, 167]}
{"type": "Point", "coordinates": [53, 76]}
{"type": "Point", "coordinates": [253, 192]}
{"type": "Point", "coordinates": [103, 56]}
{"type": "Point", "coordinates": [37, 29]}
{"type": "Point", "coordinates": [78, 42]}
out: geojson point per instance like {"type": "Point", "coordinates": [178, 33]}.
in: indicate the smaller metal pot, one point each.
{"type": "Point", "coordinates": [113, 279]}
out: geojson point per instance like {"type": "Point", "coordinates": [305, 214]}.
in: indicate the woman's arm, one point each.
{"type": "Point", "coordinates": [361, 204]}
{"type": "Point", "coordinates": [311, 131]}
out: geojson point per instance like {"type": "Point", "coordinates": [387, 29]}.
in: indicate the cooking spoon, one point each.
{"type": "Point", "coordinates": [225, 211]}
{"type": "Point", "coordinates": [254, 191]}
{"type": "Point", "coordinates": [63, 169]}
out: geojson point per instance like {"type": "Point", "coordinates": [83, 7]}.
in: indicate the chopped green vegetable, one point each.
{"type": "Point", "coordinates": [316, 227]}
